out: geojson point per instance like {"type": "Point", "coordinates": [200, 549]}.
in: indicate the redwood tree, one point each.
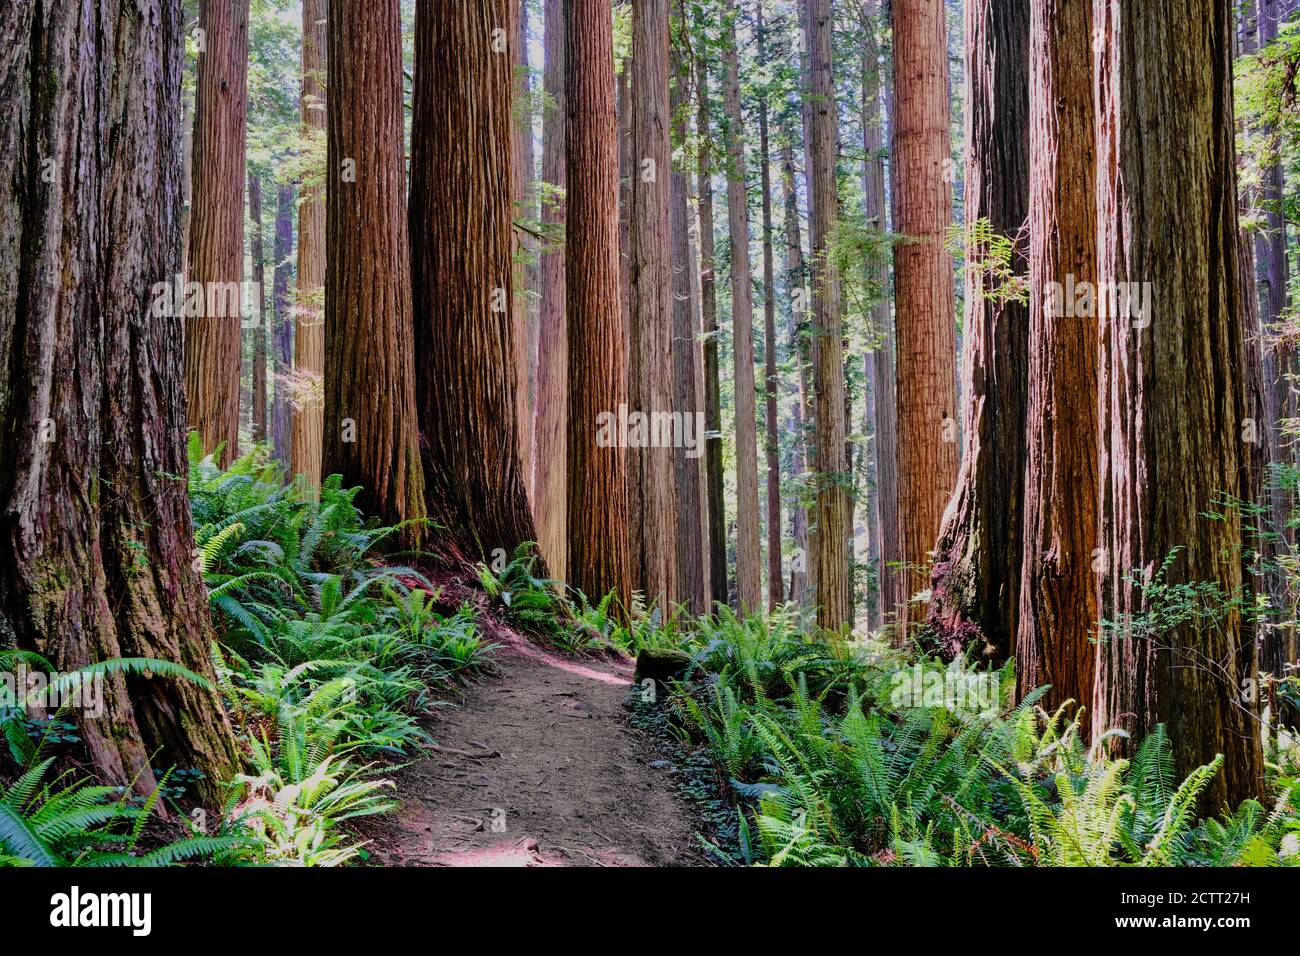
{"type": "Point", "coordinates": [370, 435]}
{"type": "Point", "coordinates": [95, 518]}
{"type": "Point", "coordinates": [976, 591]}
{"type": "Point", "coordinates": [1172, 384]}
{"type": "Point", "coordinates": [597, 503]}
{"type": "Point", "coordinates": [651, 469]}
{"type": "Point", "coordinates": [212, 340]}
{"type": "Point", "coordinates": [466, 339]}
{"type": "Point", "coordinates": [1058, 592]}
{"type": "Point", "coordinates": [258, 331]}
{"type": "Point", "coordinates": [923, 280]}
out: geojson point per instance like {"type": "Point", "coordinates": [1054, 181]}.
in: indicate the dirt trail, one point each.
{"type": "Point", "coordinates": [538, 767]}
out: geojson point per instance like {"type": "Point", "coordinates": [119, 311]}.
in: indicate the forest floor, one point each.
{"type": "Point", "coordinates": [538, 766]}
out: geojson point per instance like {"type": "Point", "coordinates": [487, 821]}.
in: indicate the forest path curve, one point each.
{"type": "Point", "coordinates": [538, 766]}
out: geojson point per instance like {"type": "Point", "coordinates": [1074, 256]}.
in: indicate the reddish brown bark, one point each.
{"type": "Point", "coordinates": [923, 269]}
{"type": "Point", "coordinates": [653, 483]}
{"type": "Point", "coordinates": [370, 435]}
{"type": "Point", "coordinates": [1172, 390]}
{"type": "Point", "coordinates": [212, 340]}
{"type": "Point", "coordinates": [597, 503]}
{"type": "Point", "coordinates": [797, 281]}
{"type": "Point", "coordinates": [1058, 602]}
{"type": "Point", "coordinates": [93, 508]}
{"type": "Point", "coordinates": [834, 527]}
{"type": "Point", "coordinates": [467, 349]}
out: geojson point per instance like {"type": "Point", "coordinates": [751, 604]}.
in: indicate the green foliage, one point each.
{"type": "Point", "coordinates": [827, 765]}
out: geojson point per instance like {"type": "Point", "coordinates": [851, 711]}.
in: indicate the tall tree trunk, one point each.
{"type": "Point", "coordinates": [687, 365]}
{"type": "Point", "coordinates": [552, 350]}
{"type": "Point", "coordinates": [797, 282]}
{"type": "Point", "coordinates": [522, 195]}
{"type": "Point", "coordinates": [1172, 383]}
{"type": "Point", "coordinates": [597, 480]}
{"type": "Point", "coordinates": [834, 527]}
{"type": "Point", "coordinates": [650, 253]}
{"type": "Point", "coordinates": [370, 435]}
{"type": "Point", "coordinates": [93, 507]}
{"type": "Point", "coordinates": [717, 518]}
{"type": "Point", "coordinates": [212, 339]}
{"type": "Point", "coordinates": [307, 422]}
{"type": "Point", "coordinates": [258, 330]}
{"type": "Point", "coordinates": [884, 409]}
{"type": "Point", "coordinates": [282, 338]}
{"type": "Point", "coordinates": [976, 581]}
{"type": "Point", "coordinates": [926, 333]}
{"type": "Point", "coordinates": [1058, 587]}
{"type": "Point", "coordinates": [749, 580]}
{"type": "Point", "coordinates": [187, 181]}
{"type": "Point", "coordinates": [466, 343]}
{"type": "Point", "coordinates": [775, 582]}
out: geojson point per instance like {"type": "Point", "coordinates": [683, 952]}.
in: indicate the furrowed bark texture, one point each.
{"type": "Point", "coordinates": [923, 269]}
{"type": "Point", "coordinates": [465, 332]}
{"type": "Point", "coordinates": [834, 526]}
{"type": "Point", "coordinates": [93, 506]}
{"type": "Point", "coordinates": [651, 334]}
{"type": "Point", "coordinates": [976, 583]}
{"type": "Point", "coordinates": [1058, 601]}
{"type": "Point", "coordinates": [597, 502]}
{"type": "Point", "coordinates": [212, 340]}
{"type": "Point", "coordinates": [1172, 392]}
{"type": "Point", "coordinates": [370, 434]}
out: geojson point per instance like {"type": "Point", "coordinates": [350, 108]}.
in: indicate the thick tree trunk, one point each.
{"type": "Point", "coordinates": [1058, 587]}
{"type": "Point", "coordinates": [926, 331]}
{"type": "Point", "coordinates": [749, 580]}
{"type": "Point", "coordinates": [258, 329]}
{"type": "Point", "coordinates": [466, 344]}
{"type": "Point", "coordinates": [976, 582]}
{"type": "Point", "coordinates": [306, 438]}
{"type": "Point", "coordinates": [549, 483]}
{"type": "Point", "coordinates": [597, 496]}
{"type": "Point", "coordinates": [212, 339]}
{"type": "Point", "coordinates": [654, 485]}
{"type": "Point", "coordinates": [717, 518]}
{"type": "Point", "coordinates": [884, 409]}
{"type": "Point", "coordinates": [93, 507]}
{"type": "Point", "coordinates": [688, 366]}
{"type": "Point", "coordinates": [370, 435]}
{"type": "Point", "coordinates": [282, 338]}
{"type": "Point", "coordinates": [771, 383]}
{"type": "Point", "coordinates": [1172, 382]}
{"type": "Point", "coordinates": [797, 282]}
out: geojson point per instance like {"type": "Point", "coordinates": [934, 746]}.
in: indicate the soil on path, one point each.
{"type": "Point", "coordinates": [538, 766]}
